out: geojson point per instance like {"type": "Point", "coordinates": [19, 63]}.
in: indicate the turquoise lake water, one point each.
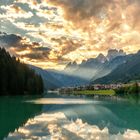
{"type": "Point", "coordinates": [117, 116]}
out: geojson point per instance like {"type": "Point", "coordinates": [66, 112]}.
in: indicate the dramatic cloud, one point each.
{"type": "Point", "coordinates": [32, 52]}
{"type": "Point", "coordinates": [13, 11]}
{"type": "Point", "coordinates": [9, 40]}
{"type": "Point", "coordinates": [77, 10]}
{"type": "Point", "coordinates": [68, 30]}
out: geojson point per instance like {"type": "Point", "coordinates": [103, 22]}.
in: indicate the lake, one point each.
{"type": "Point", "coordinates": [16, 112]}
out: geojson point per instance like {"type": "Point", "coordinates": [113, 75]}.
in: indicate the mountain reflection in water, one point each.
{"type": "Point", "coordinates": [77, 115]}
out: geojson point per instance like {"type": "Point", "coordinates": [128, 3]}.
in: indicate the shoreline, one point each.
{"type": "Point", "coordinates": [94, 97]}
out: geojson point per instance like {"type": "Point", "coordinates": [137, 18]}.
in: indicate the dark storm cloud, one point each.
{"type": "Point", "coordinates": [38, 53]}
{"type": "Point", "coordinates": [19, 44]}
{"type": "Point", "coordinates": [9, 40]}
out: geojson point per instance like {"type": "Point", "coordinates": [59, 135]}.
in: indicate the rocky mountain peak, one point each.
{"type": "Point", "coordinates": [112, 53]}
{"type": "Point", "coordinates": [101, 58]}
{"type": "Point", "coordinates": [71, 66]}
{"type": "Point", "coordinates": [2, 33]}
{"type": "Point", "coordinates": [138, 52]}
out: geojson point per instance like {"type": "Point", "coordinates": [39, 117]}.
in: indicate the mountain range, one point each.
{"type": "Point", "coordinates": [93, 70]}
{"type": "Point", "coordinates": [125, 72]}
{"type": "Point", "coordinates": [115, 67]}
{"type": "Point", "coordinates": [55, 79]}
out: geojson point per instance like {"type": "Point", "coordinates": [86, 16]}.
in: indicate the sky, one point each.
{"type": "Point", "coordinates": [51, 33]}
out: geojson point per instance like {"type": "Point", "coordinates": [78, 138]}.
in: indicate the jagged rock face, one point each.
{"type": "Point", "coordinates": [139, 52]}
{"type": "Point", "coordinates": [112, 53]}
{"type": "Point", "coordinates": [128, 70]}
{"type": "Point", "coordinates": [115, 53]}
{"type": "Point", "coordinates": [70, 67]}
{"type": "Point", "coordinates": [92, 67]}
{"type": "Point", "coordinates": [101, 58]}
{"type": "Point", "coordinates": [87, 71]}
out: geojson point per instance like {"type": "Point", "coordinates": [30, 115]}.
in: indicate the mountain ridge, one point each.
{"type": "Point", "coordinates": [125, 72]}
{"type": "Point", "coordinates": [89, 69]}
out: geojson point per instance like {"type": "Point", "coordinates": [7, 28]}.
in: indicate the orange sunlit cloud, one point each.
{"type": "Point", "coordinates": [72, 30]}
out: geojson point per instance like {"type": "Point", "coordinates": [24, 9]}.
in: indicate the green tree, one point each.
{"type": "Point", "coordinates": [16, 77]}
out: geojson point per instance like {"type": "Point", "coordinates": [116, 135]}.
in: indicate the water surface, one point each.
{"type": "Point", "coordinates": [117, 116]}
{"type": "Point", "coordinates": [14, 112]}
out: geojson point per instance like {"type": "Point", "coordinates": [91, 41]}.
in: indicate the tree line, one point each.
{"type": "Point", "coordinates": [17, 78]}
{"type": "Point", "coordinates": [133, 90]}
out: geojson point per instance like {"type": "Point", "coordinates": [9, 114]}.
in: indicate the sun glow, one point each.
{"type": "Point", "coordinates": [74, 31]}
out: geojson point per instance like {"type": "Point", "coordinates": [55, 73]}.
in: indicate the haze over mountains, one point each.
{"type": "Point", "coordinates": [95, 70]}
{"type": "Point", "coordinates": [125, 72]}
{"type": "Point", "coordinates": [116, 66]}
{"type": "Point", "coordinates": [95, 67]}
{"type": "Point", "coordinates": [55, 79]}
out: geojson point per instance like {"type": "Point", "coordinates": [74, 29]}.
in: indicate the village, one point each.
{"type": "Point", "coordinates": [95, 87]}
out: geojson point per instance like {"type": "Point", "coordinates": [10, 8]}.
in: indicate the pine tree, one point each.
{"type": "Point", "coordinates": [16, 77]}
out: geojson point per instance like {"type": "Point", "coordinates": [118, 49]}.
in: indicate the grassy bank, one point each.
{"type": "Point", "coordinates": [96, 92]}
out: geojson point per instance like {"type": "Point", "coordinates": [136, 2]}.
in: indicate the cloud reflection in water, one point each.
{"type": "Point", "coordinates": [57, 127]}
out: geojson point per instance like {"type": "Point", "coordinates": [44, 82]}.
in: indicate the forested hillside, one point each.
{"type": "Point", "coordinates": [16, 78]}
